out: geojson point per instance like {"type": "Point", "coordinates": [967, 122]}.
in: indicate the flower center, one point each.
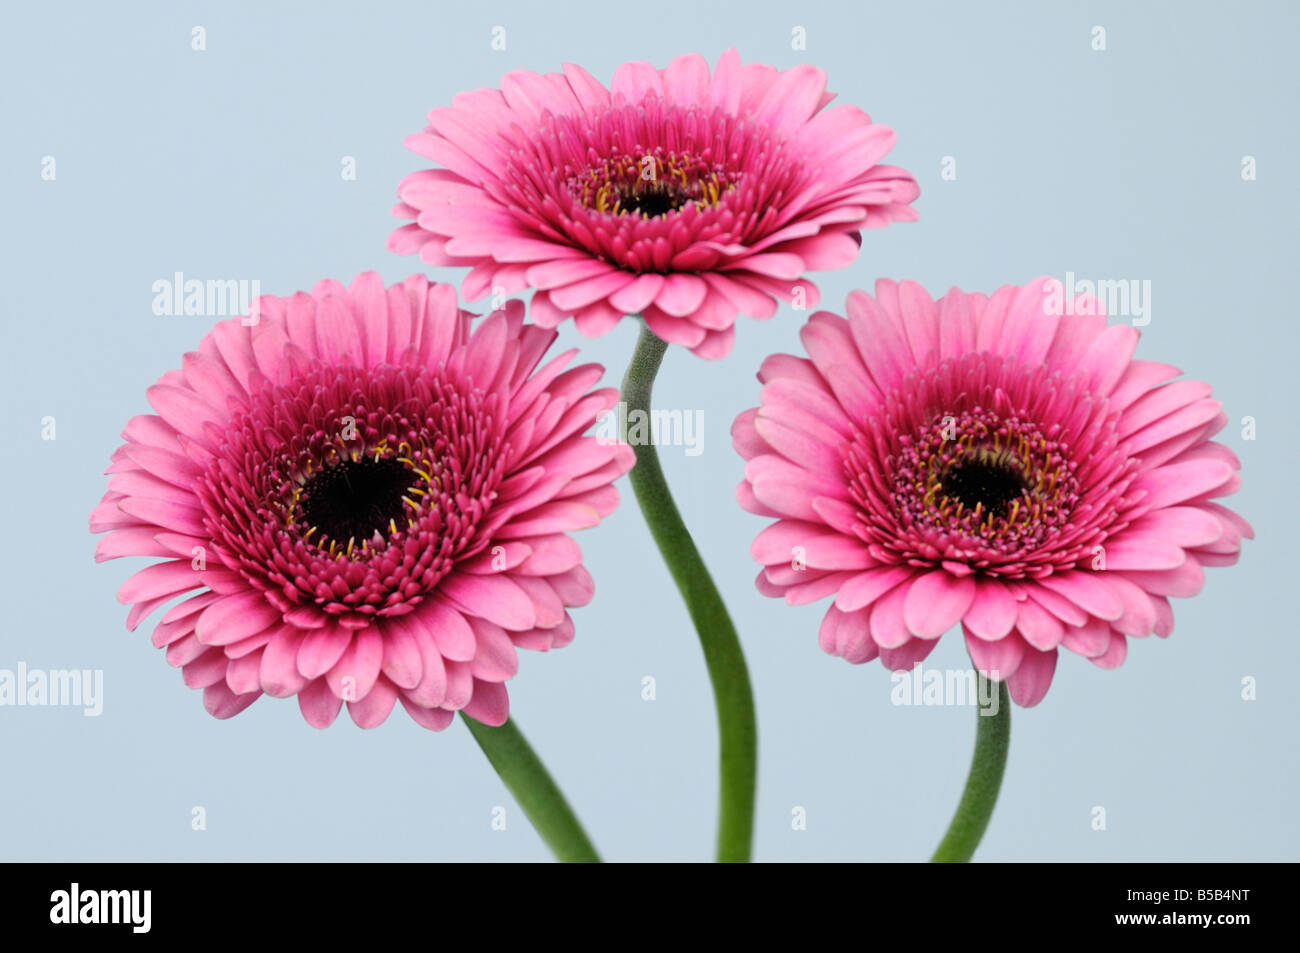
{"type": "Point", "coordinates": [984, 463]}
{"type": "Point", "coordinates": [985, 481]}
{"type": "Point", "coordinates": [354, 489]}
{"type": "Point", "coordinates": [356, 500]}
{"type": "Point", "coordinates": [651, 185]}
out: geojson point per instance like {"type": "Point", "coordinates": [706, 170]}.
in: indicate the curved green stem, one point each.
{"type": "Point", "coordinates": [992, 738]}
{"type": "Point", "coordinates": [532, 786]}
{"type": "Point", "coordinates": [738, 734]}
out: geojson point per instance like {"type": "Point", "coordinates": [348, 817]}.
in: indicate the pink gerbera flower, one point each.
{"type": "Point", "coordinates": [988, 461]}
{"type": "Point", "coordinates": [371, 499]}
{"type": "Point", "coordinates": [685, 197]}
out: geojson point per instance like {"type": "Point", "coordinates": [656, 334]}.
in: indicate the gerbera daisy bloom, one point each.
{"type": "Point", "coordinates": [680, 195]}
{"type": "Point", "coordinates": [988, 461]}
{"type": "Point", "coordinates": [372, 499]}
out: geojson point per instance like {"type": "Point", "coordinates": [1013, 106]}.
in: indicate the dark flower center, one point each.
{"type": "Point", "coordinates": [991, 484]}
{"type": "Point", "coordinates": [659, 198]}
{"type": "Point", "coordinates": [985, 483]}
{"type": "Point", "coordinates": [353, 500]}
{"type": "Point", "coordinates": [355, 489]}
{"type": "Point", "coordinates": [651, 185]}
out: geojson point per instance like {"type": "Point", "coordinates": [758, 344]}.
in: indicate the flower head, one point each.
{"type": "Point", "coordinates": [680, 195]}
{"type": "Point", "coordinates": [1001, 462]}
{"type": "Point", "coordinates": [371, 498]}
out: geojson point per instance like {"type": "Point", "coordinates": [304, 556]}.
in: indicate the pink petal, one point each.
{"type": "Point", "coordinates": [1086, 590]}
{"type": "Point", "coordinates": [495, 598]}
{"type": "Point", "coordinates": [236, 617]}
{"type": "Point", "coordinates": [1115, 653]}
{"type": "Point", "coordinates": [995, 659]}
{"type": "Point", "coordinates": [1090, 639]}
{"type": "Point", "coordinates": [402, 663]}
{"type": "Point", "coordinates": [866, 587]}
{"type": "Point", "coordinates": [159, 580]}
{"type": "Point", "coordinates": [681, 295]}
{"type": "Point", "coordinates": [635, 81]}
{"type": "Point", "coordinates": [318, 704]}
{"type": "Point", "coordinates": [1032, 677]}
{"type": "Point", "coordinates": [1042, 630]}
{"type": "Point", "coordinates": [936, 602]}
{"type": "Point", "coordinates": [279, 673]}
{"type": "Point", "coordinates": [495, 658]}
{"type": "Point", "coordinates": [446, 626]}
{"type": "Point", "coordinates": [374, 708]}
{"type": "Point", "coordinates": [321, 649]}
{"type": "Point", "coordinates": [490, 704]}
{"type": "Point", "coordinates": [637, 295]}
{"type": "Point", "coordinates": [220, 702]}
{"type": "Point", "coordinates": [906, 656]}
{"type": "Point", "coordinates": [357, 670]}
{"type": "Point", "coordinates": [243, 674]}
{"type": "Point", "coordinates": [845, 634]}
{"type": "Point", "coordinates": [992, 612]}
{"type": "Point", "coordinates": [435, 719]}
{"type": "Point", "coordinates": [1177, 482]}
{"type": "Point", "coordinates": [888, 628]}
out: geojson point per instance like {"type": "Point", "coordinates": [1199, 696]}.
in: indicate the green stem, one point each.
{"type": "Point", "coordinates": [992, 738]}
{"type": "Point", "coordinates": [738, 734]}
{"type": "Point", "coordinates": [532, 786]}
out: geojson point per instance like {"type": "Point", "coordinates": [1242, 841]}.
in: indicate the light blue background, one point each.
{"type": "Point", "coordinates": [226, 163]}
